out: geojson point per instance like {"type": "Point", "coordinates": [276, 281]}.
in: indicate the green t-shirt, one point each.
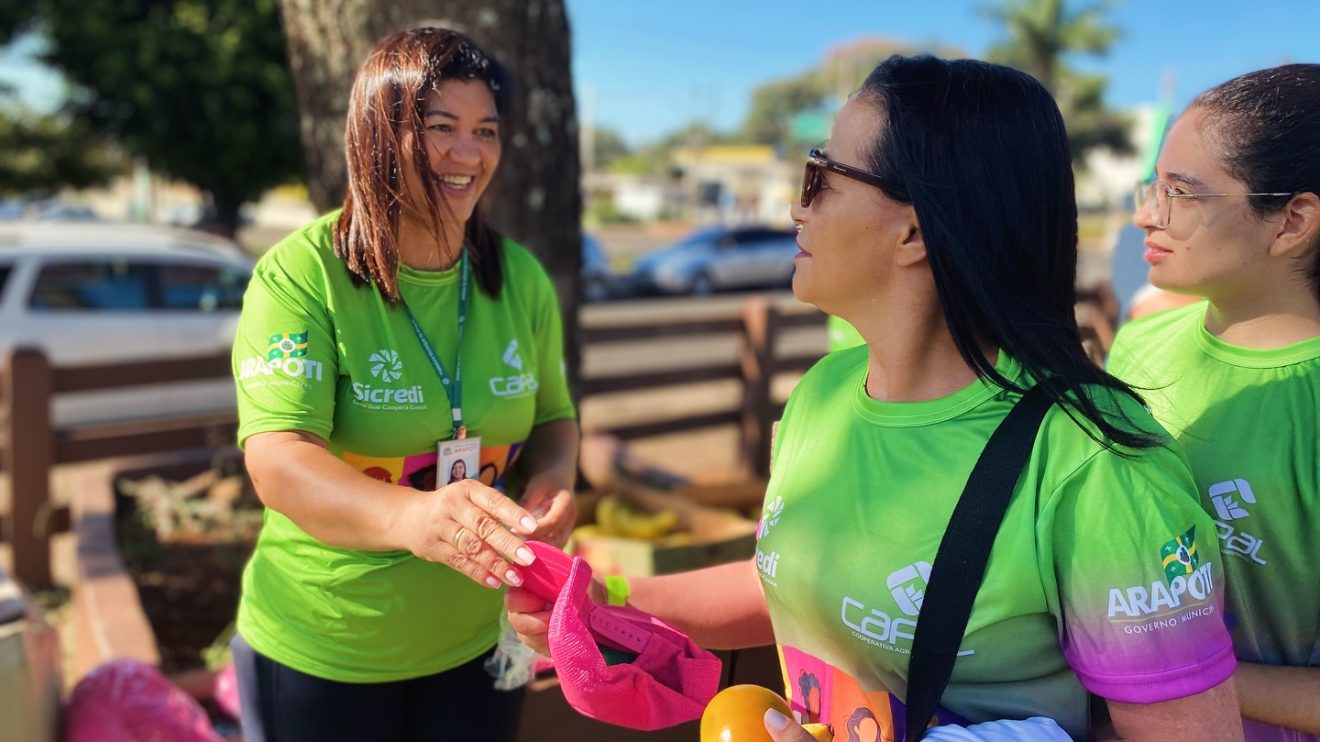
{"type": "Point", "coordinates": [842, 334]}
{"type": "Point", "coordinates": [1247, 419]}
{"type": "Point", "coordinates": [316, 353]}
{"type": "Point", "coordinates": [1104, 575]}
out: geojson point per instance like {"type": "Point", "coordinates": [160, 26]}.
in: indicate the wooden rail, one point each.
{"type": "Point", "coordinates": [758, 327]}
{"type": "Point", "coordinates": [30, 446]}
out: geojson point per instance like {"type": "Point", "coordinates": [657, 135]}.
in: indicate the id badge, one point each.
{"type": "Point", "coordinates": [457, 460]}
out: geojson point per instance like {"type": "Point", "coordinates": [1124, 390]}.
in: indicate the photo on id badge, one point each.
{"type": "Point", "coordinates": [459, 459]}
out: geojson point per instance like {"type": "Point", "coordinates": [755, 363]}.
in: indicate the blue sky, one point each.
{"type": "Point", "coordinates": [647, 68]}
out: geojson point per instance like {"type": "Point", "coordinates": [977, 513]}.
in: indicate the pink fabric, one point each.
{"type": "Point", "coordinates": [226, 691]}
{"type": "Point", "coordinates": [131, 700]}
{"type": "Point", "coordinates": [669, 683]}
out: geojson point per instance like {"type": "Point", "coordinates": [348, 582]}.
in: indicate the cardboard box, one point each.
{"type": "Point", "coordinates": [717, 536]}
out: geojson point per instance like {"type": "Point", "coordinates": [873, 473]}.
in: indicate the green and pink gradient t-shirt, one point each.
{"type": "Point", "coordinates": [1105, 575]}
{"type": "Point", "coordinates": [1247, 419]}
{"type": "Point", "coordinates": [317, 353]}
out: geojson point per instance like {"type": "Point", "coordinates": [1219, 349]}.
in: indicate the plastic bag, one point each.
{"type": "Point", "coordinates": [1035, 729]}
{"type": "Point", "coordinates": [513, 664]}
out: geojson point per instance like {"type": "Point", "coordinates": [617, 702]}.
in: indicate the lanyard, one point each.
{"type": "Point", "coordinates": [454, 388]}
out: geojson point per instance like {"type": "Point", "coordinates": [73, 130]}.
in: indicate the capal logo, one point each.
{"type": "Point", "coordinates": [514, 385]}
{"type": "Point", "coordinates": [908, 586]}
{"type": "Point", "coordinates": [511, 356]}
{"type": "Point", "coordinates": [386, 366]}
{"type": "Point", "coordinates": [1186, 580]}
{"type": "Point", "coordinates": [1230, 499]}
{"type": "Point", "coordinates": [285, 355]}
{"type": "Point", "coordinates": [1224, 497]}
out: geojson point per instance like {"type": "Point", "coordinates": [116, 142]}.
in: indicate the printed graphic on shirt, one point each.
{"type": "Point", "coordinates": [1185, 593]}
{"type": "Point", "coordinates": [286, 363]}
{"type": "Point", "coordinates": [518, 383]}
{"type": "Point", "coordinates": [384, 391]}
{"type": "Point", "coordinates": [1230, 500]}
{"type": "Point", "coordinates": [818, 692]}
{"type": "Point", "coordinates": [767, 560]}
{"type": "Point", "coordinates": [386, 366]}
{"type": "Point", "coordinates": [419, 470]}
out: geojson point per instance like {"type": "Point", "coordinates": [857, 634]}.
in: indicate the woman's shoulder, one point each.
{"type": "Point", "coordinates": [834, 372]}
{"type": "Point", "coordinates": [1076, 440]}
{"type": "Point", "coordinates": [1154, 331]}
{"type": "Point", "coordinates": [307, 249]}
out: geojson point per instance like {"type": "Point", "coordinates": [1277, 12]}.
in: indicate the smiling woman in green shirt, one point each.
{"type": "Point", "coordinates": [1234, 216]}
{"type": "Point", "coordinates": [395, 335]}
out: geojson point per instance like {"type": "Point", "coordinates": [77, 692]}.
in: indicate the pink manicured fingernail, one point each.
{"type": "Point", "coordinates": [514, 578]}
{"type": "Point", "coordinates": [492, 583]}
{"type": "Point", "coordinates": [525, 556]}
{"type": "Point", "coordinates": [528, 523]}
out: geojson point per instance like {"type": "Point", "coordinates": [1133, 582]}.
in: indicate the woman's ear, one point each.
{"type": "Point", "coordinates": [1300, 227]}
{"type": "Point", "coordinates": [912, 248]}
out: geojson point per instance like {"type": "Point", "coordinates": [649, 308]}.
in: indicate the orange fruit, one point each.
{"type": "Point", "coordinates": [736, 714]}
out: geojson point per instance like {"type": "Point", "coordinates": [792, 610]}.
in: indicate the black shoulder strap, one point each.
{"type": "Point", "coordinates": [959, 566]}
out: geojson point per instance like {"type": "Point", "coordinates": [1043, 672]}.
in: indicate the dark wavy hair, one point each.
{"type": "Point", "coordinates": [980, 152]}
{"type": "Point", "coordinates": [1269, 124]}
{"type": "Point", "coordinates": [386, 133]}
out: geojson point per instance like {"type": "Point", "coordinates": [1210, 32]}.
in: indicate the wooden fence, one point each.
{"type": "Point", "coordinates": [30, 446]}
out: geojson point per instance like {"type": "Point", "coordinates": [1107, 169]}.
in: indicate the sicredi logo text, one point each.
{"type": "Point", "coordinates": [380, 395]}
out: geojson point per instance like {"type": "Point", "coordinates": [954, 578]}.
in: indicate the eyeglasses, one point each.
{"type": "Point", "coordinates": [813, 175]}
{"type": "Point", "coordinates": [1163, 194]}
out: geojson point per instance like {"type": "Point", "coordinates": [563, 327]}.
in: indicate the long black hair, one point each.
{"type": "Point", "coordinates": [980, 152]}
{"type": "Point", "coordinates": [1269, 124]}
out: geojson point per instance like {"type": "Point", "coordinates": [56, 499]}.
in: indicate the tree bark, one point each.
{"type": "Point", "coordinates": [535, 198]}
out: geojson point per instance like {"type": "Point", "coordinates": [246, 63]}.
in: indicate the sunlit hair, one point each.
{"type": "Point", "coordinates": [1268, 122]}
{"type": "Point", "coordinates": [980, 152]}
{"type": "Point", "coordinates": [386, 135]}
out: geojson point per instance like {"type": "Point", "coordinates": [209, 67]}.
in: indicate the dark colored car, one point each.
{"type": "Point", "coordinates": [719, 258]}
{"type": "Point", "coordinates": [598, 280]}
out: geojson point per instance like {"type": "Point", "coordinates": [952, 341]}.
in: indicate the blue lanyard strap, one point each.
{"type": "Point", "coordinates": [454, 388]}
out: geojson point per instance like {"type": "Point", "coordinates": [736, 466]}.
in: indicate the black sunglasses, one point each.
{"type": "Point", "coordinates": [814, 173]}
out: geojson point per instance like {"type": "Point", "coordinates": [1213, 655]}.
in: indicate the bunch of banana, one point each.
{"type": "Point", "coordinates": [616, 517]}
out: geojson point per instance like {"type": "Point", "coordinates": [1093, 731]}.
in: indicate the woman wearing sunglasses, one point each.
{"type": "Point", "coordinates": [1234, 217]}
{"type": "Point", "coordinates": [940, 222]}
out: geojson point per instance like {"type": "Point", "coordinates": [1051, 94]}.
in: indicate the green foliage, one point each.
{"type": "Point", "coordinates": [41, 154]}
{"type": "Point", "coordinates": [607, 147]}
{"type": "Point", "coordinates": [776, 114]}
{"type": "Point", "coordinates": [200, 88]}
{"type": "Point", "coordinates": [1041, 35]}
{"type": "Point", "coordinates": [774, 104]}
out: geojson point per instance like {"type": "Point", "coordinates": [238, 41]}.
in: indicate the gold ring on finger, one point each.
{"type": "Point", "coordinates": [458, 537]}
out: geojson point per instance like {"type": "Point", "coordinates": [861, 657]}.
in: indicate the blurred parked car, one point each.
{"type": "Point", "coordinates": [105, 293]}
{"type": "Point", "coordinates": [719, 258]}
{"type": "Point", "coordinates": [598, 279]}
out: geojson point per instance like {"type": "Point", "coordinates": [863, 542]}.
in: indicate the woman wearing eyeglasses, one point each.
{"type": "Point", "coordinates": [1234, 217]}
{"type": "Point", "coordinates": [940, 222]}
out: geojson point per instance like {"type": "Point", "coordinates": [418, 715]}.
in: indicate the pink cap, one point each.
{"type": "Point", "coordinates": [669, 683]}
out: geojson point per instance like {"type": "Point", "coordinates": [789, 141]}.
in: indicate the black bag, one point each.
{"type": "Point", "coordinates": [959, 567]}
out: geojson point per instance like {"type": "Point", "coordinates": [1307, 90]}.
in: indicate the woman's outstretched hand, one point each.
{"type": "Point", "coordinates": [471, 528]}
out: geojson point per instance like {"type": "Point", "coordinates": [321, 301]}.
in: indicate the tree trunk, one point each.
{"type": "Point", "coordinates": [536, 198]}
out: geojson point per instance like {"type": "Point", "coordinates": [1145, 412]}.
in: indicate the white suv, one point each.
{"type": "Point", "coordinates": [92, 293]}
